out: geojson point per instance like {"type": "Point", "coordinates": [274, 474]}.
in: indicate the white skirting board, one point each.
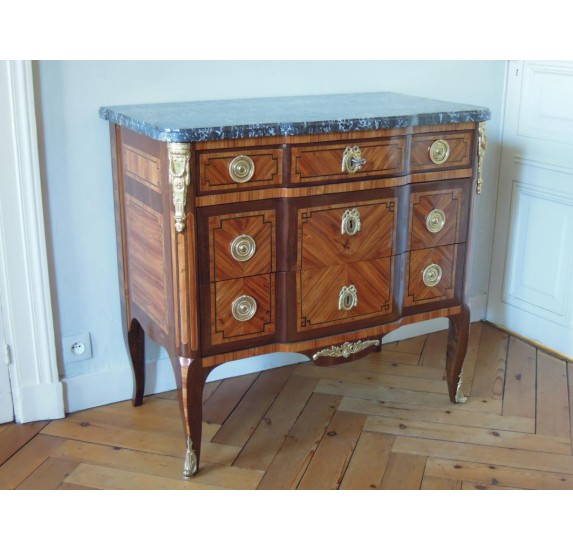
{"type": "Point", "coordinates": [112, 385]}
{"type": "Point", "coordinates": [39, 402]}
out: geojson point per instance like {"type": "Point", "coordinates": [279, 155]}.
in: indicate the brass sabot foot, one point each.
{"type": "Point", "coordinates": [190, 464]}
{"type": "Point", "coordinates": [460, 397]}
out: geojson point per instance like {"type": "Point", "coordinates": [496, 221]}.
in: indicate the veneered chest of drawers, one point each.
{"type": "Point", "coordinates": [312, 224]}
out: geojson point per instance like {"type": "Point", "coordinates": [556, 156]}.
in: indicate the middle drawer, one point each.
{"type": "Point", "coordinates": [341, 230]}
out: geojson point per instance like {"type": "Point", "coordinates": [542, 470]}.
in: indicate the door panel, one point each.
{"type": "Point", "coordinates": [532, 265]}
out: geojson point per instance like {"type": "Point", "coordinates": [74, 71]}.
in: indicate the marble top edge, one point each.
{"type": "Point", "coordinates": [287, 116]}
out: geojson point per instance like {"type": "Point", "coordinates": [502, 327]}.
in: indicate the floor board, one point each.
{"type": "Point", "coordinates": [382, 422]}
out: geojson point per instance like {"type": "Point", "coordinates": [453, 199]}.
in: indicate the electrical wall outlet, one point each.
{"type": "Point", "coordinates": [77, 348]}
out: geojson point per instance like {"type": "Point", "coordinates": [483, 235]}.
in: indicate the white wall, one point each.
{"type": "Point", "coordinates": [77, 173]}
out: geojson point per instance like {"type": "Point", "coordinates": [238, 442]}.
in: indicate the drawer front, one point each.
{"type": "Point", "coordinates": [317, 163]}
{"type": "Point", "coordinates": [336, 295]}
{"type": "Point", "coordinates": [241, 244]}
{"type": "Point", "coordinates": [434, 275]}
{"type": "Point", "coordinates": [441, 151]}
{"type": "Point", "coordinates": [347, 232]}
{"type": "Point", "coordinates": [239, 309]}
{"type": "Point", "coordinates": [437, 217]}
{"type": "Point", "coordinates": [240, 169]}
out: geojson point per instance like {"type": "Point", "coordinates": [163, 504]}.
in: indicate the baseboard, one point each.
{"type": "Point", "coordinates": [113, 385]}
{"type": "Point", "coordinates": [39, 402]}
{"type": "Point", "coordinates": [255, 364]}
{"type": "Point", "coordinates": [478, 306]}
{"type": "Point", "coordinates": [109, 386]}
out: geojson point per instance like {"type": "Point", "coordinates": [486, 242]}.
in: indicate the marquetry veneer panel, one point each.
{"type": "Point", "coordinates": [422, 203]}
{"type": "Point", "coordinates": [225, 228]}
{"type": "Point", "coordinates": [460, 151]}
{"type": "Point", "coordinates": [224, 328]}
{"type": "Point", "coordinates": [318, 293]}
{"type": "Point", "coordinates": [214, 174]}
{"type": "Point", "coordinates": [315, 163]}
{"type": "Point", "coordinates": [141, 167]}
{"type": "Point", "coordinates": [321, 242]}
{"type": "Point", "coordinates": [417, 292]}
{"type": "Point", "coordinates": [145, 259]}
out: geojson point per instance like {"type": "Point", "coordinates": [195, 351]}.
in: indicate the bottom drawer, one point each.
{"type": "Point", "coordinates": [434, 275]}
{"type": "Point", "coordinates": [343, 294]}
{"type": "Point", "coordinates": [238, 310]}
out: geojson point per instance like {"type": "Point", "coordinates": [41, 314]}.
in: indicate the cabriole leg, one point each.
{"type": "Point", "coordinates": [458, 336]}
{"type": "Point", "coordinates": [136, 344]}
{"type": "Point", "coordinates": [190, 390]}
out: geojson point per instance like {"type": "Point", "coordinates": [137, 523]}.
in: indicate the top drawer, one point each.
{"type": "Point", "coordinates": [347, 161]}
{"type": "Point", "coordinates": [441, 151]}
{"type": "Point", "coordinates": [240, 169]}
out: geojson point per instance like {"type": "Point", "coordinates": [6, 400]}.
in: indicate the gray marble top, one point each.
{"type": "Point", "coordinates": [287, 116]}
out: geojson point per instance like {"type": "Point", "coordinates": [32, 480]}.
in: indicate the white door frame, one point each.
{"type": "Point", "coordinates": [26, 301]}
{"type": "Point", "coordinates": [6, 403]}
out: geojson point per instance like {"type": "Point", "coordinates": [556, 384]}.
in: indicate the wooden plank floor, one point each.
{"type": "Point", "coordinates": [383, 422]}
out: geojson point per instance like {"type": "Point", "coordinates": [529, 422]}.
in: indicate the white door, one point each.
{"type": "Point", "coordinates": [6, 405]}
{"type": "Point", "coordinates": [531, 290]}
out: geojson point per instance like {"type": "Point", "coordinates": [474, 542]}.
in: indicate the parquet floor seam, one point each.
{"type": "Point", "coordinates": [383, 422]}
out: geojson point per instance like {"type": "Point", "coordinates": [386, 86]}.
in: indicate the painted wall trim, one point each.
{"type": "Point", "coordinates": [29, 325]}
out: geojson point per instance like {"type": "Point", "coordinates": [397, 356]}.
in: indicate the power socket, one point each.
{"type": "Point", "coordinates": [77, 348]}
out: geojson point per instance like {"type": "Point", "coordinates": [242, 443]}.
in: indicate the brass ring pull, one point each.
{"type": "Point", "coordinates": [243, 248]}
{"type": "Point", "coordinates": [435, 221]}
{"type": "Point", "coordinates": [348, 298]}
{"type": "Point", "coordinates": [244, 308]}
{"type": "Point", "coordinates": [351, 223]}
{"type": "Point", "coordinates": [439, 151]}
{"type": "Point", "coordinates": [352, 160]}
{"type": "Point", "coordinates": [432, 275]}
{"type": "Point", "coordinates": [241, 168]}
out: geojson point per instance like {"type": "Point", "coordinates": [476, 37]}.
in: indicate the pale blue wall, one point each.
{"type": "Point", "coordinates": [77, 172]}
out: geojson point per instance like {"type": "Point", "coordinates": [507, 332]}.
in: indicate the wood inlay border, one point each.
{"type": "Point", "coordinates": [216, 223]}
{"type": "Point", "coordinates": [456, 195]}
{"type": "Point", "coordinates": [142, 167]}
{"type": "Point", "coordinates": [314, 190]}
{"type": "Point", "coordinates": [146, 260]}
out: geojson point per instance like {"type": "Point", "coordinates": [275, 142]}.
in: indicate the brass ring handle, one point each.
{"type": "Point", "coordinates": [241, 168]}
{"type": "Point", "coordinates": [435, 221]}
{"type": "Point", "coordinates": [244, 308]}
{"type": "Point", "coordinates": [352, 160]}
{"type": "Point", "coordinates": [351, 222]}
{"type": "Point", "coordinates": [432, 275]}
{"type": "Point", "coordinates": [347, 298]}
{"type": "Point", "coordinates": [243, 248]}
{"type": "Point", "coordinates": [439, 151]}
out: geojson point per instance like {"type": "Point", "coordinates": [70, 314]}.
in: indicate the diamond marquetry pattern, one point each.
{"type": "Point", "coordinates": [321, 243]}
{"type": "Point", "coordinates": [319, 289]}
